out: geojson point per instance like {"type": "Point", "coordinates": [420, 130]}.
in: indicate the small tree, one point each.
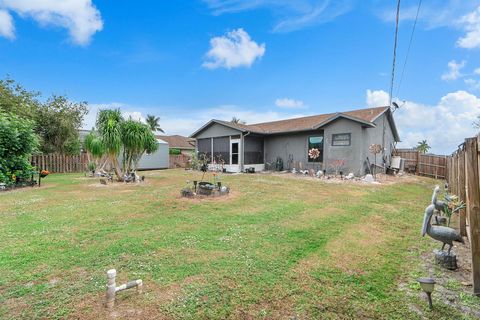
{"type": "Point", "coordinates": [109, 126]}
{"type": "Point", "coordinates": [423, 146]}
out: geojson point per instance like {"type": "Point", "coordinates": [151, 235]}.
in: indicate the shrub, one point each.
{"type": "Point", "coordinates": [174, 151]}
{"type": "Point", "coordinates": [17, 142]}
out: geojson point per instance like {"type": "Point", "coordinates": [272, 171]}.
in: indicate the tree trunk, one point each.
{"type": "Point", "coordinates": [116, 167]}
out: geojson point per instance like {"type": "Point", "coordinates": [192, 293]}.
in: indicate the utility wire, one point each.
{"type": "Point", "coordinates": [409, 47]}
{"type": "Point", "coordinates": [394, 52]}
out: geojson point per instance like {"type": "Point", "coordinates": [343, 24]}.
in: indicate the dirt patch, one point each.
{"type": "Point", "coordinates": [200, 198]}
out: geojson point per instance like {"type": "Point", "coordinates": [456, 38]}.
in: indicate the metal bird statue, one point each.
{"type": "Point", "coordinates": [442, 234]}
{"type": "Point", "coordinates": [439, 205]}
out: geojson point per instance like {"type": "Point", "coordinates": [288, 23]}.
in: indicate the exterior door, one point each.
{"type": "Point", "coordinates": [235, 155]}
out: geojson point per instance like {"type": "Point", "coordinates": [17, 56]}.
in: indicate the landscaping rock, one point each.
{"type": "Point", "coordinates": [350, 176]}
{"type": "Point", "coordinates": [369, 178]}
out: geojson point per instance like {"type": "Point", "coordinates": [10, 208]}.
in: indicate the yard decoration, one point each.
{"type": "Point", "coordinates": [42, 174]}
{"type": "Point", "coordinates": [112, 288]}
{"type": "Point", "coordinates": [445, 235]}
{"type": "Point", "coordinates": [375, 149]}
{"type": "Point", "coordinates": [279, 164]}
{"type": "Point", "coordinates": [337, 165]}
{"type": "Point", "coordinates": [313, 154]}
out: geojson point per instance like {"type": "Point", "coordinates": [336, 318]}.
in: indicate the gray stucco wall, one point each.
{"type": "Point", "coordinates": [283, 145]}
{"type": "Point", "coordinates": [374, 135]}
{"type": "Point", "coordinates": [217, 130]}
{"type": "Point", "coordinates": [352, 154]}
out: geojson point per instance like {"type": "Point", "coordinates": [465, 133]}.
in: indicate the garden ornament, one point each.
{"type": "Point", "coordinates": [445, 235]}
{"type": "Point", "coordinates": [439, 205]}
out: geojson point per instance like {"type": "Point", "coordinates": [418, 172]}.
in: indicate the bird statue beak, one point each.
{"type": "Point", "coordinates": [426, 219]}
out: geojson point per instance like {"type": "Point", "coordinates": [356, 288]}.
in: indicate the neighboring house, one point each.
{"type": "Point", "coordinates": [339, 136]}
{"type": "Point", "coordinates": [184, 144]}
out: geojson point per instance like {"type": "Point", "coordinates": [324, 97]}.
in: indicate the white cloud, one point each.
{"type": "Point", "coordinates": [377, 98]}
{"type": "Point", "coordinates": [454, 69]}
{"type": "Point", "coordinates": [291, 15]}
{"type": "Point", "coordinates": [134, 115]}
{"type": "Point", "coordinates": [477, 71]}
{"type": "Point", "coordinates": [473, 84]}
{"type": "Point", "coordinates": [233, 50]}
{"type": "Point", "coordinates": [80, 17]}
{"type": "Point", "coordinates": [471, 24]}
{"type": "Point", "coordinates": [287, 103]}
{"type": "Point", "coordinates": [444, 125]}
{"type": "Point", "coordinates": [7, 29]}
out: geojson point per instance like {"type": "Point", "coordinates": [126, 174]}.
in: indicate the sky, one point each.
{"type": "Point", "coordinates": [258, 60]}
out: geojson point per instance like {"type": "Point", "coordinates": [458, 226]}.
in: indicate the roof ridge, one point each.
{"type": "Point", "coordinates": [318, 115]}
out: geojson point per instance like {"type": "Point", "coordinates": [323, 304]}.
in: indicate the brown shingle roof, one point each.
{"type": "Point", "coordinates": [310, 122]}
{"type": "Point", "coordinates": [179, 142]}
{"type": "Point", "coordinates": [366, 116]}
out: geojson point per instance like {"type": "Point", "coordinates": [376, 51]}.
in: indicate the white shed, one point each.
{"type": "Point", "coordinates": [157, 160]}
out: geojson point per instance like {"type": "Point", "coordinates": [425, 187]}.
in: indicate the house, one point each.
{"type": "Point", "coordinates": [342, 137]}
{"type": "Point", "coordinates": [184, 144]}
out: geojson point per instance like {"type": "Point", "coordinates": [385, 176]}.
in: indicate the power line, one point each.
{"type": "Point", "coordinates": [409, 47]}
{"type": "Point", "coordinates": [394, 52]}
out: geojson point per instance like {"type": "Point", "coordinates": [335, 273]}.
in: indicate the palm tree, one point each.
{"type": "Point", "coordinates": [109, 125]}
{"type": "Point", "coordinates": [423, 146]}
{"type": "Point", "coordinates": [136, 139]}
{"type": "Point", "coordinates": [237, 120]}
{"type": "Point", "coordinates": [154, 123]}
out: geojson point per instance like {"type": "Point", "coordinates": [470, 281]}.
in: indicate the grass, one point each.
{"type": "Point", "coordinates": [275, 248]}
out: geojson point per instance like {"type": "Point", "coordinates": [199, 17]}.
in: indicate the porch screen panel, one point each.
{"type": "Point", "coordinates": [204, 147]}
{"type": "Point", "coordinates": [221, 149]}
{"type": "Point", "coordinates": [253, 150]}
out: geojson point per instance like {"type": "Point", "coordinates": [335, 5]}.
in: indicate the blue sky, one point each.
{"type": "Point", "coordinates": [259, 60]}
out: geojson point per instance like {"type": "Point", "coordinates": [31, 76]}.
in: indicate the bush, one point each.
{"type": "Point", "coordinates": [174, 151]}
{"type": "Point", "coordinates": [17, 142]}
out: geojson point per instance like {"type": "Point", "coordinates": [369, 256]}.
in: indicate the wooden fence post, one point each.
{"type": "Point", "coordinates": [461, 191]}
{"type": "Point", "coordinates": [473, 208]}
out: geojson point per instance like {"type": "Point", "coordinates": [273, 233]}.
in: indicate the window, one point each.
{"type": "Point", "coordinates": [341, 139]}
{"type": "Point", "coordinates": [234, 152]}
{"type": "Point", "coordinates": [315, 142]}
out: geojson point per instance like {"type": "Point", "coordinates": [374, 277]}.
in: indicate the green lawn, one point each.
{"type": "Point", "coordinates": [275, 248]}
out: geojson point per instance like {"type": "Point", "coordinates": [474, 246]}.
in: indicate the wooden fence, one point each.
{"type": "Point", "coordinates": [60, 163]}
{"type": "Point", "coordinates": [430, 165]}
{"type": "Point", "coordinates": [178, 161]}
{"type": "Point", "coordinates": [463, 179]}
